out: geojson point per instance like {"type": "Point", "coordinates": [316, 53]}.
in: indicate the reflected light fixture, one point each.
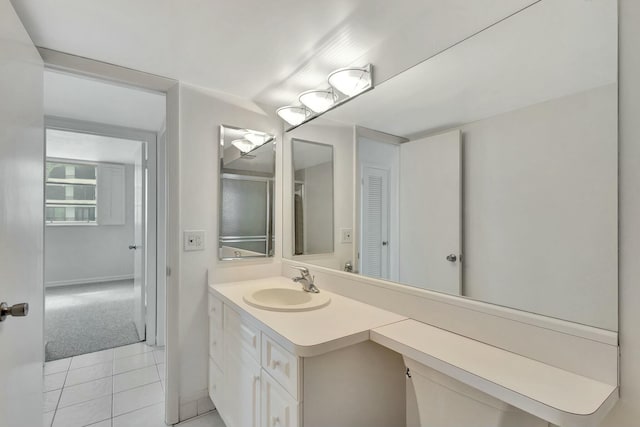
{"type": "Point", "coordinates": [318, 101]}
{"type": "Point", "coordinates": [351, 80]}
{"type": "Point", "coordinates": [244, 145]}
{"type": "Point", "coordinates": [293, 115]}
{"type": "Point", "coordinates": [256, 138]}
{"type": "Point", "coordinates": [251, 141]}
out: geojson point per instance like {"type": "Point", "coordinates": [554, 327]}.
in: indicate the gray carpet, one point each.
{"type": "Point", "coordinates": [82, 319]}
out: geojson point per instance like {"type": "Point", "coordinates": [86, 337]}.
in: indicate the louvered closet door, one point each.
{"type": "Point", "coordinates": [374, 249]}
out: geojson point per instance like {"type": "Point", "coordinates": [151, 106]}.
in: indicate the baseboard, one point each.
{"type": "Point", "coordinates": [195, 404]}
{"type": "Point", "coordinates": [88, 280]}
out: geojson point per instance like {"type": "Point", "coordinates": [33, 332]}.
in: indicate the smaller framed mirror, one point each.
{"type": "Point", "coordinates": [312, 197]}
{"type": "Point", "coordinates": [246, 193]}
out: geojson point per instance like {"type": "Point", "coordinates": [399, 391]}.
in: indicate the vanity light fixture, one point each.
{"type": "Point", "coordinates": [345, 84]}
{"type": "Point", "coordinates": [351, 80]}
{"type": "Point", "coordinates": [293, 115]}
{"type": "Point", "coordinates": [318, 101]}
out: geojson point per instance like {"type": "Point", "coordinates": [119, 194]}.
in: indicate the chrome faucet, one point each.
{"type": "Point", "coordinates": [306, 280]}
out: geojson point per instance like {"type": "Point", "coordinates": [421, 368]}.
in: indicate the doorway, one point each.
{"type": "Point", "coordinates": [102, 221]}
{"type": "Point", "coordinates": [104, 299]}
{"type": "Point", "coordinates": [101, 215]}
{"type": "Point", "coordinates": [98, 215]}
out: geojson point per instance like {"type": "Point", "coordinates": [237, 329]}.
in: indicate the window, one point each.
{"type": "Point", "coordinates": [70, 193]}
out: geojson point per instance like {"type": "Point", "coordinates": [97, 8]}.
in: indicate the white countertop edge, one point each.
{"type": "Point", "coordinates": [298, 350]}
{"type": "Point", "coordinates": [516, 399]}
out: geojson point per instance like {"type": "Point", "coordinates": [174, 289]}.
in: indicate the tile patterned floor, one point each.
{"type": "Point", "coordinates": [121, 387]}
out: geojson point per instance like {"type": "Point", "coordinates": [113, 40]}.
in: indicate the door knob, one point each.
{"type": "Point", "coordinates": [133, 247]}
{"type": "Point", "coordinates": [385, 243]}
{"type": "Point", "coordinates": [452, 258]}
{"type": "Point", "coordinates": [16, 310]}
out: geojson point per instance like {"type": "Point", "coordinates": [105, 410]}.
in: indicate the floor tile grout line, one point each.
{"type": "Point", "coordinates": [152, 350]}
{"type": "Point", "coordinates": [55, 411]}
{"type": "Point", "coordinates": [82, 403]}
{"type": "Point", "coordinates": [139, 386]}
{"type": "Point", "coordinates": [137, 409]}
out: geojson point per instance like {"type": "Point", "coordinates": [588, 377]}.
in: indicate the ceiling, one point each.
{"type": "Point", "coordinates": [550, 50]}
{"type": "Point", "coordinates": [80, 98]}
{"type": "Point", "coordinates": [264, 51]}
{"type": "Point", "coordinates": [91, 148]}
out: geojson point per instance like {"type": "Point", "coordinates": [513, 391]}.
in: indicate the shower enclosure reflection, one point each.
{"type": "Point", "coordinates": [247, 173]}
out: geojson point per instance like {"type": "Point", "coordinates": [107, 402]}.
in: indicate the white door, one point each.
{"type": "Point", "coordinates": [21, 222]}
{"type": "Point", "coordinates": [374, 252]}
{"type": "Point", "coordinates": [430, 213]}
{"type": "Point", "coordinates": [139, 269]}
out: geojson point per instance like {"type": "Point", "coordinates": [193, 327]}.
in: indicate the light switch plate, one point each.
{"type": "Point", "coordinates": [346, 235]}
{"type": "Point", "coordinates": [194, 240]}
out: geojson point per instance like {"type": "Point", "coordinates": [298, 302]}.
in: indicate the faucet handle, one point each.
{"type": "Point", "coordinates": [303, 270]}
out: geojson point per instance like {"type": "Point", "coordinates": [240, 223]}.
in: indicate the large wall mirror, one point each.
{"type": "Point", "coordinates": [247, 174]}
{"type": "Point", "coordinates": [489, 171]}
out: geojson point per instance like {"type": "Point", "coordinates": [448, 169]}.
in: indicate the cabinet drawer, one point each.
{"type": "Point", "coordinates": [215, 311]}
{"type": "Point", "coordinates": [281, 365]}
{"type": "Point", "coordinates": [216, 379]}
{"type": "Point", "coordinates": [216, 343]}
{"type": "Point", "coordinates": [242, 331]}
{"type": "Point", "coordinates": [279, 409]}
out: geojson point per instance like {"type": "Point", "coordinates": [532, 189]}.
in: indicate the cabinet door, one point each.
{"type": "Point", "coordinates": [216, 388]}
{"type": "Point", "coordinates": [279, 408]}
{"type": "Point", "coordinates": [241, 387]}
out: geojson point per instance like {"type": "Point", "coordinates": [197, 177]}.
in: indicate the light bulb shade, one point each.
{"type": "Point", "coordinates": [293, 115]}
{"type": "Point", "coordinates": [244, 145]}
{"type": "Point", "coordinates": [318, 101]}
{"type": "Point", "coordinates": [257, 138]}
{"type": "Point", "coordinates": [351, 81]}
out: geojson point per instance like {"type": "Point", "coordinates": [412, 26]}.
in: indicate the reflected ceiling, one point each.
{"type": "Point", "coordinates": [265, 51]}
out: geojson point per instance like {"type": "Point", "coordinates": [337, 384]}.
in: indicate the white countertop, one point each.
{"type": "Point", "coordinates": [555, 395]}
{"type": "Point", "coordinates": [342, 323]}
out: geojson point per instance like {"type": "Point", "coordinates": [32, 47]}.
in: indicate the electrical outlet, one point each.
{"type": "Point", "coordinates": [194, 240]}
{"type": "Point", "coordinates": [346, 235]}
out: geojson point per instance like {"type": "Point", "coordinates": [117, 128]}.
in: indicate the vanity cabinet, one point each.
{"type": "Point", "coordinates": [256, 382]}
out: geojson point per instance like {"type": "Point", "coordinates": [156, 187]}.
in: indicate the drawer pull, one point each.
{"type": "Point", "coordinates": [275, 420]}
{"type": "Point", "coordinates": [275, 364]}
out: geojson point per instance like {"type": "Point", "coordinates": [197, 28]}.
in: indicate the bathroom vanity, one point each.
{"type": "Point", "coordinates": [311, 368]}
{"type": "Point", "coordinates": [322, 366]}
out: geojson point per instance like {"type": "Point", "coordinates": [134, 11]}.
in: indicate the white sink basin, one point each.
{"type": "Point", "coordinates": [286, 299]}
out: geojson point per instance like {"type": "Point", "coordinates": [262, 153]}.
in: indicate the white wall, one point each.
{"type": "Point", "coordinates": [200, 118]}
{"type": "Point", "coordinates": [318, 214]}
{"type": "Point", "coordinates": [91, 253]}
{"type": "Point", "coordinates": [540, 208]}
{"type": "Point", "coordinates": [341, 138]}
{"type": "Point", "coordinates": [627, 412]}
